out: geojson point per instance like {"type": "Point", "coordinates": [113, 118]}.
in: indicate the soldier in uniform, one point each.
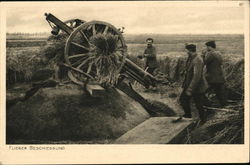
{"type": "Point", "coordinates": [194, 84]}
{"type": "Point", "coordinates": [150, 56]}
{"type": "Point", "coordinates": [214, 74]}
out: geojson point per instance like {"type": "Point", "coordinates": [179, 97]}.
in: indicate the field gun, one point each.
{"type": "Point", "coordinates": [78, 48]}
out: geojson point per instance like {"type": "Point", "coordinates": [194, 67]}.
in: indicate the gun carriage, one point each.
{"type": "Point", "coordinates": [78, 50]}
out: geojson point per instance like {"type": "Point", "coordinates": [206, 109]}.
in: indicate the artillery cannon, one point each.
{"type": "Point", "coordinates": [78, 48]}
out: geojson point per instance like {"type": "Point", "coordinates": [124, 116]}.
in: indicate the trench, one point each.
{"type": "Point", "coordinates": [172, 69]}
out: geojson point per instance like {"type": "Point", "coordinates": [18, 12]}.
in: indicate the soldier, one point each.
{"type": "Point", "coordinates": [150, 55]}
{"type": "Point", "coordinates": [214, 74]}
{"type": "Point", "coordinates": [194, 85]}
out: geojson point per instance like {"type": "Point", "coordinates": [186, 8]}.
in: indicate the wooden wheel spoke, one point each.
{"type": "Point", "coordinates": [80, 52]}
{"type": "Point", "coordinates": [106, 29]}
{"type": "Point", "coordinates": [80, 46]}
{"type": "Point", "coordinates": [84, 36]}
{"type": "Point", "coordinates": [77, 62]}
{"type": "Point", "coordinates": [78, 55]}
{"type": "Point", "coordinates": [93, 29]}
{"type": "Point", "coordinates": [84, 62]}
{"type": "Point", "coordinates": [90, 67]}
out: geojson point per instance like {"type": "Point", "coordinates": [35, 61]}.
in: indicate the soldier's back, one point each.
{"type": "Point", "coordinates": [214, 68]}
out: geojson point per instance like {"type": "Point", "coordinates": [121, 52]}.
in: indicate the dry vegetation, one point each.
{"type": "Point", "coordinates": [223, 127]}
{"type": "Point", "coordinates": [22, 63]}
{"type": "Point", "coordinates": [30, 61]}
{"type": "Point", "coordinates": [25, 43]}
{"type": "Point", "coordinates": [106, 59]}
{"type": "Point", "coordinates": [171, 56]}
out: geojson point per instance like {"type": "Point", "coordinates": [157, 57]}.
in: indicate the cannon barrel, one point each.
{"type": "Point", "coordinates": [138, 74]}
{"type": "Point", "coordinates": [59, 24]}
{"type": "Point", "coordinates": [129, 68]}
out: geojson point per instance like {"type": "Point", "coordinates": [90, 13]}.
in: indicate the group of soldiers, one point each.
{"type": "Point", "coordinates": [202, 72]}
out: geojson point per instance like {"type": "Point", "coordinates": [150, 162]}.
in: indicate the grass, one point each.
{"type": "Point", "coordinates": [222, 128]}
{"type": "Point", "coordinates": [107, 59]}
{"type": "Point", "coordinates": [234, 48]}
{"type": "Point", "coordinates": [227, 44]}
{"type": "Point", "coordinates": [171, 55]}
{"type": "Point", "coordinates": [25, 43]}
{"type": "Point", "coordinates": [168, 47]}
{"type": "Point", "coordinates": [22, 63]}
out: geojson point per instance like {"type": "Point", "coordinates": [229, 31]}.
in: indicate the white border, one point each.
{"type": "Point", "coordinates": [100, 154]}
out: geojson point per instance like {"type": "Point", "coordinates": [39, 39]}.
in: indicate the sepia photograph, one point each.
{"type": "Point", "coordinates": [138, 72]}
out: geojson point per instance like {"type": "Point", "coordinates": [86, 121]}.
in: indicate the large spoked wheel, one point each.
{"type": "Point", "coordinates": [79, 48]}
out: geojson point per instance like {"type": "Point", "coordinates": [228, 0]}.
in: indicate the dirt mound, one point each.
{"type": "Point", "coordinates": [69, 113]}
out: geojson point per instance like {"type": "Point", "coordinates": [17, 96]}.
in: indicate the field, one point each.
{"type": "Point", "coordinates": [170, 52]}
{"type": "Point", "coordinates": [24, 55]}
{"type": "Point", "coordinates": [25, 43]}
{"type": "Point", "coordinates": [227, 44]}
{"type": "Point", "coordinates": [25, 59]}
{"type": "Point", "coordinates": [231, 46]}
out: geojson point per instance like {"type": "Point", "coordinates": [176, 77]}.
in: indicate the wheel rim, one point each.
{"type": "Point", "coordinates": [79, 47]}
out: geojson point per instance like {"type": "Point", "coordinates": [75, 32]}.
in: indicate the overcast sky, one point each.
{"type": "Point", "coordinates": [136, 17]}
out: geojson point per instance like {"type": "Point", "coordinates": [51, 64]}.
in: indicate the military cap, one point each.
{"type": "Point", "coordinates": [191, 47]}
{"type": "Point", "coordinates": [150, 39]}
{"type": "Point", "coordinates": [211, 43]}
